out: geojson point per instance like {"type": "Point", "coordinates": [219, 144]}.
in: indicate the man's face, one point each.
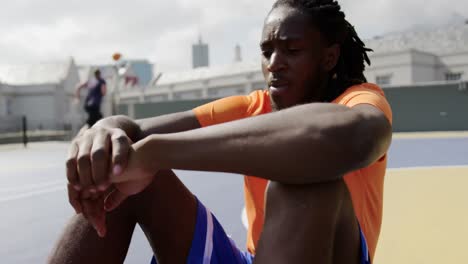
{"type": "Point", "coordinates": [292, 55]}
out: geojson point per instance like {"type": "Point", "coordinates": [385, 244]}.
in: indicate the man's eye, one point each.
{"type": "Point", "coordinates": [293, 50]}
{"type": "Point", "coordinates": [266, 53]}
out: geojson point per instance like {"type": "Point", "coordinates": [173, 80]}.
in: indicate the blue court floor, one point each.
{"type": "Point", "coordinates": [34, 206]}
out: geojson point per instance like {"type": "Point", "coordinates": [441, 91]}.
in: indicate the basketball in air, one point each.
{"type": "Point", "coordinates": [116, 56]}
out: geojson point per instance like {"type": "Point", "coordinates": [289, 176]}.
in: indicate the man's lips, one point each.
{"type": "Point", "coordinates": [278, 87]}
{"type": "Point", "coordinates": [278, 83]}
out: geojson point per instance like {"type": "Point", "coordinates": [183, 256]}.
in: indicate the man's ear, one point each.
{"type": "Point", "coordinates": [331, 56]}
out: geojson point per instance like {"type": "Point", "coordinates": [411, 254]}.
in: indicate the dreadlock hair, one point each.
{"type": "Point", "coordinates": [328, 18]}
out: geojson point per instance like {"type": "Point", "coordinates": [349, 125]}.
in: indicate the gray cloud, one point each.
{"type": "Point", "coordinates": [163, 31]}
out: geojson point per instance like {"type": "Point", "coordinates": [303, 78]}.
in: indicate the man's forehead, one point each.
{"type": "Point", "coordinates": [285, 22]}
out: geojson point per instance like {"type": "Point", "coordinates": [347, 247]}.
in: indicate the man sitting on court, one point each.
{"type": "Point", "coordinates": [312, 146]}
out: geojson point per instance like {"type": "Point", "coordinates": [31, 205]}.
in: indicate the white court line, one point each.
{"type": "Point", "coordinates": [31, 194]}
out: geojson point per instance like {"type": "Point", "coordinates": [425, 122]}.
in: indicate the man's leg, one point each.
{"type": "Point", "coordinates": [80, 243]}
{"type": "Point", "coordinates": [166, 211]}
{"type": "Point", "coordinates": [94, 116]}
{"type": "Point", "coordinates": [309, 224]}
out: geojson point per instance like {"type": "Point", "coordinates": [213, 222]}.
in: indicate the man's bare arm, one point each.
{"type": "Point", "coordinates": [313, 143]}
{"type": "Point", "coordinates": [78, 89]}
{"type": "Point", "coordinates": [104, 89]}
{"type": "Point", "coordinates": [139, 129]}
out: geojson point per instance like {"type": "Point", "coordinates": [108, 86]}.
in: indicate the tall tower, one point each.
{"type": "Point", "coordinates": [237, 53]}
{"type": "Point", "coordinates": [200, 54]}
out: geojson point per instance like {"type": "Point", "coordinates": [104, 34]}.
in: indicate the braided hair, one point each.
{"type": "Point", "coordinates": [327, 16]}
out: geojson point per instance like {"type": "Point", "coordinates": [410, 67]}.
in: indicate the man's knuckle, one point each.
{"type": "Point", "coordinates": [88, 133]}
{"type": "Point", "coordinates": [119, 157]}
{"type": "Point", "coordinates": [71, 163]}
{"type": "Point", "coordinates": [83, 160]}
{"type": "Point", "coordinates": [98, 154]}
{"type": "Point", "coordinates": [121, 139]}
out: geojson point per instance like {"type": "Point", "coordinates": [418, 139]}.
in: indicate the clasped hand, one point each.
{"type": "Point", "coordinates": [104, 168]}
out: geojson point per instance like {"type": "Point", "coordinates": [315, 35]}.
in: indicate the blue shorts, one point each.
{"type": "Point", "coordinates": [211, 245]}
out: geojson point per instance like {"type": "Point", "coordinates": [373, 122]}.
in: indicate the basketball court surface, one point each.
{"type": "Point", "coordinates": [425, 205]}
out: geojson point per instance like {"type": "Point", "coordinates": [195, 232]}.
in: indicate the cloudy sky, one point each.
{"type": "Point", "coordinates": [163, 31]}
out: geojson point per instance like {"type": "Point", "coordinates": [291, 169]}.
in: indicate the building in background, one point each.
{"type": "Point", "coordinates": [42, 92]}
{"type": "Point", "coordinates": [415, 57]}
{"type": "Point", "coordinates": [201, 83]}
{"type": "Point", "coordinates": [420, 56]}
{"type": "Point", "coordinates": [143, 71]}
{"type": "Point", "coordinates": [237, 53]}
{"type": "Point", "coordinates": [131, 73]}
{"type": "Point", "coordinates": [200, 54]}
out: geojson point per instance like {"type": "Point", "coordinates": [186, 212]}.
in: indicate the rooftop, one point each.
{"type": "Point", "coordinates": [440, 40]}
{"type": "Point", "coordinates": [35, 74]}
{"type": "Point", "coordinates": [209, 72]}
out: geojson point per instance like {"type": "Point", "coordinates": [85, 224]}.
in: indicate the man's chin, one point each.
{"type": "Point", "coordinates": [279, 103]}
{"type": "Point", "coordinates": [278, 106]}
{"type": "Point", "coordinates": [275, 104]}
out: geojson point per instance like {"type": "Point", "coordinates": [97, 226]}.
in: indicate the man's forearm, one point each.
{"type": "Point", "coordinates": [170, 123]}
{"type": "Point", "coordinates": [313, 143]}
{"type": "Point", "coordinates": [139, 129]}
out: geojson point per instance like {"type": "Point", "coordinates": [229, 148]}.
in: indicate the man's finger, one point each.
{"type": "Point", "coordinates": [100, 158]}
{"type": "Point", "coordinates": [84, 162]}
{"type": "Point", "coordinates": [120, 148]}
{"type": "Point", "coordinates": [114, 199]}
{"type": "Point", "coordinates": [74, 198]}
{"type": "Point", "coordinates": [71, 164]}
{"type": "Point", "coordinates": [94, 211]}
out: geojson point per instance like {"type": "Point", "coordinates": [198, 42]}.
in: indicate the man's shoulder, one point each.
{"type": "Point", "coordinates": [366, 93]}
{"type": "Point", "coordinates": [359, 89]}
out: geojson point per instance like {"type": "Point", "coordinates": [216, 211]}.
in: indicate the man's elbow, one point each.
{"type": "Point", "coordinates": [373, 140]}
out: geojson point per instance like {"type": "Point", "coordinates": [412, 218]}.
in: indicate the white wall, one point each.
{"type": "Point", "coordinates": [157, 98]}
{"type": "Point", "coordinates": [68, 112]}
{"type": "Point", "coordinates": [188, 95]}
{"type": "Point", "coordinates": [62, 106]}
{"type": "Point", "coordinates": [228, 81]}
{"type": "Point", "coordinates": [397, 65]}
{"type": "Point", "coordinates": [225, 91]}
{"type": "Point", "coordinates": [424, 67]}
{"type": "Point", "coordinates": [400, 75]}
{"type": "Point", "coordinates": [39, 110]}
{"type": "Point", "coordinates": [407, 67]}
{"type": "Point", "coordinates": [457, 62]}
{"type": "Point", "coordinates": [3, 110]}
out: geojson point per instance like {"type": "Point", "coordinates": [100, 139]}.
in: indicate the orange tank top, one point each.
{"type": "Point", "coordinates": [365, 185]}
